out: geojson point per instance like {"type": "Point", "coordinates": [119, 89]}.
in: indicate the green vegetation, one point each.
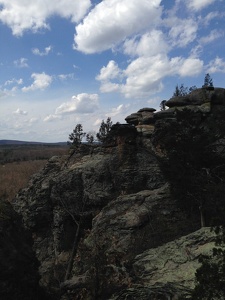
{"type": "Point", "coordinates": [77, 135]}
{"type": "Point", "coordinates": [75, 138]}
{"type": "Point", "coordinates": [208, 81]}
{"type": "Point", "coordinates": [210, 277]}
{"type": "Point", "coordinates": [182, 90]}
{"type": "Point", "coordinates": [104, 130]}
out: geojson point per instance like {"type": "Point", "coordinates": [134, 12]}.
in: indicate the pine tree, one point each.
{"type": "Point", "coordinates": [104, 130]}
{"type": "Point", "coordinates": [180, 90]}
{"type": "Point", "coordinates": [208, 82]}
{"type": "Point", "coordinates": [76, 136]}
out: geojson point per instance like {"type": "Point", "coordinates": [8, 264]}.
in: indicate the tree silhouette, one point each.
{"type": "Point", "coordinates": [104, 129]}
{"type": "Point", "coordinates": [208, 82]}
{"type": "Point", "coordinates": [76, 136]}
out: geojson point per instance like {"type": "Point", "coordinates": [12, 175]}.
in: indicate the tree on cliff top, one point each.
{"type": "Point", "coordinates": [183, 90]}
{"type": "Point", "coordinates": [208, 82]}
{"type": "Point", "coordinates": [76, 136]}
{"type": "Point", "coordinates": [104, 130]}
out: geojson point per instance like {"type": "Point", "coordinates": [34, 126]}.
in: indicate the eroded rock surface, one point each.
{"type": "Point", "coordinates": [114, 203]}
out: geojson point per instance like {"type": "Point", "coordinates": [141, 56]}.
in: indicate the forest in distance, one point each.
{"type": "Point", "coordinates": [19, 161]}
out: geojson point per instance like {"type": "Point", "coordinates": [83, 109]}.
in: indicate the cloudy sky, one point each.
{"type": "Point", "coordinates": [66, 62]}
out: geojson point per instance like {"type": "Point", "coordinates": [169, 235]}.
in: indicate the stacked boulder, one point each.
{"type": "Point", "coordinates": [143, 120]}
{"type": "Point", "coordinates": [198, 101]}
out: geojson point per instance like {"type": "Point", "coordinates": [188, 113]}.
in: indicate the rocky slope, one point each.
{"type": "Point", "coordinates": [104, 219]}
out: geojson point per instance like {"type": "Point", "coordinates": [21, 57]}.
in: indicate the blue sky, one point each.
{"type": "Point", "coordinates": [70, 62]}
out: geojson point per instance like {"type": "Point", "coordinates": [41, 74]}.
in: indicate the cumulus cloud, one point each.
{"type": "Point", "coordinates": [148, 44]}
{"type": "Point", "coordinates": [46, 51]}
{"type": "Point", "coordinates": [41, 82]}
{"type": "Point", "coordinates": [81, 103]}
{"type": "Point", "coordinates": [197, 5]}
{"type": "Point", "coordinates": [110, 71]}
{"type": "Point", "coordinates": [112, 21]}
{"type": "Point", "coordinates": [21, 63]}
{"type": "Point", "coordinates": [190, 67]}
{"type": "Point", "coordinates": [20, 112]}
{"type": "Point", "coordinates": [144, 75]}
{"type": "Point", "coordinates": [21, 15]}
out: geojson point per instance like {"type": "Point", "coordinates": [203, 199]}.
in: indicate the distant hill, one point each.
{"type": "Point", "coordinates": [16, 142]}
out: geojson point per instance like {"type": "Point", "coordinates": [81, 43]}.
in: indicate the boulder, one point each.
{"type": "Point", "coordinates": [168, 271]}
{"type": "Point", "coordinates": [143, 116]}
{"type": "Point", "coordinates": [199, 97]}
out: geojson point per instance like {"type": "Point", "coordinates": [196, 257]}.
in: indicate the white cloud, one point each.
{"type": "Point", "coordinates": [51, 118]}
{"type": "Point", "coordinates": [111, 71]}
{"type": "Point", "coordinates": [197, 5]}
{"type": "Point", "coordinates": [41, 81]}
{"type": "Point", "coordinates": [111, 21]}
{"type": "Point", "coordinates": [149, 44]}
{"type": "Point", "coordinates": [66, 76]}
{"type": "Point", "coordinates": [182, 32]}
{"type": "Point", "coordinates": [190, 67]}
{"type": "Point", "coordinates": [46, 51]}
{"type": "Point", "coordinates": [109, 87]}
{"type": "Point", "coordinates": [210, 16]}
{"type": "Point", "coordinates": [21, 63]}
{"type": "Point", "coordinates": [144, 75]}
{"type": "Point", "coordinates": [21, 15]}
{"type": "Point", "coordinates": [81, 103]}
{"type": "Point", "coordinates": [108, 73]}
{"type": "Point", "coordinates": [14, 80]}
{"type": "Point", "coordinates": [20, 112]}
{"type": "Point", "coordinates": [212, 36]}
{"type": "Point", "coordinates": [216, 65]}
{"type": "Point", "coordinates": [119, 110]}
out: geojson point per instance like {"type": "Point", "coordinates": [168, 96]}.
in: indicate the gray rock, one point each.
{"type": "Point", "coordinates": [143, 116]}
{"type": "Point", "coordinates": [175, 262]}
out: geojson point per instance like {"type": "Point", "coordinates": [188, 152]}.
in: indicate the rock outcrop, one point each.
{"type": "Point", "coordinates": [104, 221]}
{"type": "Point", "coordinates": [168, 271]}
{"type": "Point", "coordinates": [19, 278]}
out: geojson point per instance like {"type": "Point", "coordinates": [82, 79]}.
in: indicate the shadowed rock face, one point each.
{"type": "Point", "coordinates": [130, 227]}
{"type": "Point", "coordinates": [168, 271]}
{"type": "Point", "coordinates": [18, 265]}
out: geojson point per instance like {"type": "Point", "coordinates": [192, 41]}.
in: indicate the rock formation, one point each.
{"type": "Point", "coordinates": [18, 265]}
{"type": "Point", "coordinates": [104, 221]}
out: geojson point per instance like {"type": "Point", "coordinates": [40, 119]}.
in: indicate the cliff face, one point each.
{"type": "Point", "coordinates": [18, 265]}
{"type": "Point", "coordinates": [104, 219]}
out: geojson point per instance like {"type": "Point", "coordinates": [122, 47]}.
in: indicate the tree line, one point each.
{"type": "Point", "coordinates": [181, 90]}
{"type": "Point", "coordinates": [78, 134]}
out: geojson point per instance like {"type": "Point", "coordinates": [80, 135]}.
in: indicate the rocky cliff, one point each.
{"type": "Point", "coordinates": [107, 221]}
{"type": "Point", "coordinates": [19, 278]}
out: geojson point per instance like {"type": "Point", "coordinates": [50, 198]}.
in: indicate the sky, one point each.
{"type": "Point", "coordinates": [66, 62]}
